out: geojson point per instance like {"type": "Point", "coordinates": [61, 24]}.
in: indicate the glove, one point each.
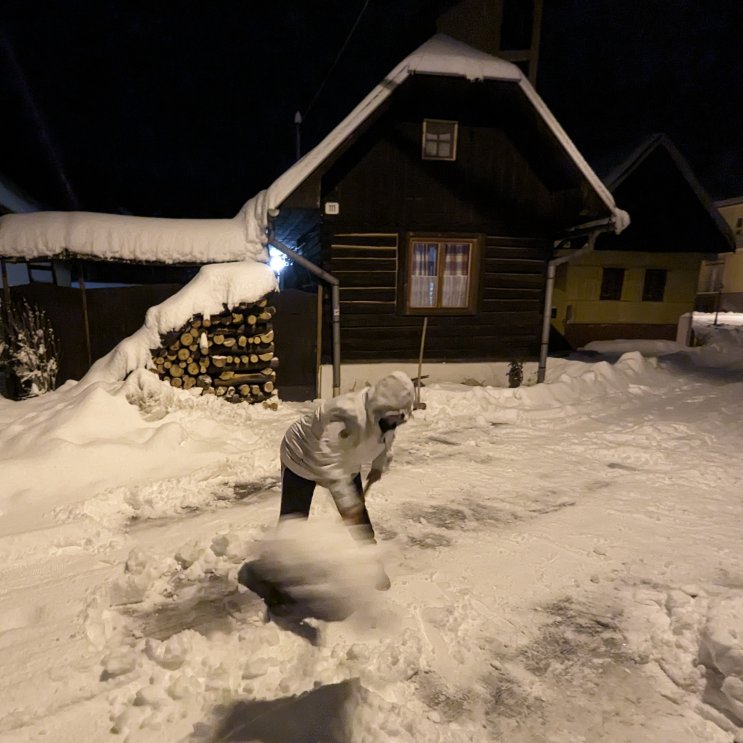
{"type": "Point", "coordinates": [352, 516]}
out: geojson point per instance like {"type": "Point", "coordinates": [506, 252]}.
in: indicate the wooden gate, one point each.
{"type": "Point", "coordinates": [295, 331]}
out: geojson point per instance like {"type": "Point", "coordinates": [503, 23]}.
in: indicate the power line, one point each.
{"type": "Point", "coordinates": [335, 61]}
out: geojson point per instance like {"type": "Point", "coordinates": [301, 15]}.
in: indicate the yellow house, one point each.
{"type": "Point", "coordinates": [637, 284]}
{"type": "Point", "coordinates": [721, 280]}
{"type": "Point", "coordinates": [612, 294]}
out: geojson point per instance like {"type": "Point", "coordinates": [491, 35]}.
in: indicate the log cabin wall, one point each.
{"type": "Point", "coordinates": [374, 327]}
{"type": "Point", "coordinates": [505, 190]}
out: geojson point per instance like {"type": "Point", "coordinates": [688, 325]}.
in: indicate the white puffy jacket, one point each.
{"type": "Point", "coordinates": [330, 444]}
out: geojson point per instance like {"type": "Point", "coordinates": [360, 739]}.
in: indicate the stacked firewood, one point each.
{"type": "Point", "coordinates": [230, 355]}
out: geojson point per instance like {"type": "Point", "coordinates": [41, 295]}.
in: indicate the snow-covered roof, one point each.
{"type": "Point", "coordinates": [150, 239]}
{"type": "Point", "coordinates": [119, 237]}
{"type": "Point", "coordinates": [440, 55]}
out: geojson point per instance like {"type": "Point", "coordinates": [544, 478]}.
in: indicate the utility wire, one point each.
{"type": "Point", "coordinates": [335, 61]}
{"type": "Point", "coordinates": [39, 122]}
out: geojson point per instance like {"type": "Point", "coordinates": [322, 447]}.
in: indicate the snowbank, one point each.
{"type": "Point", "coordinates": [721, 345]}
{"type": "Point", "coordinates": [644, 346]}
{"type": "Point", "coordinates": [695, 639]}
{"type": "Point", "coordinates": [569, 383]}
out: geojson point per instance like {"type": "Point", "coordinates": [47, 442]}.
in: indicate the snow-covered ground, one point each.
{"type": "Point", "coordinates": [566, 564]}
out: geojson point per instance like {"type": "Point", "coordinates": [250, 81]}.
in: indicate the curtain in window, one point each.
{"type": "Point", "coordinates": [424, 282]}
{"type": "Point", "coordinates": [455, 287]}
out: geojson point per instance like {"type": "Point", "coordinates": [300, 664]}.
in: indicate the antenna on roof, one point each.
{"type": "Point", "coordinates": [298, 127]}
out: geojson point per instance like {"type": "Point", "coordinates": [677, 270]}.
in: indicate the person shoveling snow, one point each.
{"type": "Point", "coordinates": [331, 444]}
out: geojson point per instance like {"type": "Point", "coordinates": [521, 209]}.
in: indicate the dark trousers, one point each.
{"type": "Point", "coordinates": [296, 498]}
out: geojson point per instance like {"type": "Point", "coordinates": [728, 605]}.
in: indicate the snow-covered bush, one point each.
{"type": "Point", "coordinates": [29, 349]}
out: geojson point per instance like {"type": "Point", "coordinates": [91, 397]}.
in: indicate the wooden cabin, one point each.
{"type": "Point", "coordinates": [440, 196]}
{"type": "Point", "coordinates": [639, 283]}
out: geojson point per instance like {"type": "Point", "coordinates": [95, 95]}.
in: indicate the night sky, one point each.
{"type": "Point", "coordinates": [187, 108]}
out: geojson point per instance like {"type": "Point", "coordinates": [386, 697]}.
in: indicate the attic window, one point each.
{"type": "Point", "coordinates": [439, 140]}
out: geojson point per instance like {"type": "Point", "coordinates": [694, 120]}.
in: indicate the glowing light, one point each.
{"type": "Point", "coordinates": [277, 260]}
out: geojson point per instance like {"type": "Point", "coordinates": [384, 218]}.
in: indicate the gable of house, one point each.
{"type": "Point", "coordinates": [508, 175]}
{"type": "Point", "coordinates": [399, 227]}
{"type": "Point", "coordinates": [671, 212]}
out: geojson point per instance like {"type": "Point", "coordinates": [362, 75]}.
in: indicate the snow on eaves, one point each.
{"type": "Point", "coordinates": [440, 55]}
{"type": "Point", "coordinates": [117, 237]}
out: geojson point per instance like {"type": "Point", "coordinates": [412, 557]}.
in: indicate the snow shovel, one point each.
{"type": "Point", "coordinates": [383, 582]}
{"type": "Point", "coordinates": [418, 404]}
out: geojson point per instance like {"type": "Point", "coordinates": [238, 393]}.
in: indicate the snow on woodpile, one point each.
{"type": "Point", "coordinates": [230, 355]}
{"type": "Point", "coordinates": [213, 290]}
{"type": "Point", "coordinates": [117, 237]}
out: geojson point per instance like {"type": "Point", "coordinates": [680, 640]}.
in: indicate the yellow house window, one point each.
{"type": "Point", "coordinates": [654, 286]}
{"type": "Point", "coordinates": [612, 281]}
{"type": "Point", "coordinates": [439, 139]}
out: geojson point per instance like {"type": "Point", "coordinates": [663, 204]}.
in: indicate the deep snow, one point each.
{"type": "Point", "coordinates": [566, 564]}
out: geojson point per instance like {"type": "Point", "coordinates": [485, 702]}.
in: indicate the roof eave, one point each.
{"type": "Point", "coordinates": [418, 63]}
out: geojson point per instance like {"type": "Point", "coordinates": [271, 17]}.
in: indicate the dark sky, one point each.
{"type": "Point", "coordinates": [186, 109]}
{"type": "Point", "coordinates": [613, 71]}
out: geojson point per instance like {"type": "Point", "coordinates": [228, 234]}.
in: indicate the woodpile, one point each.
{"type": "Point", "coordinates": [230, 355]}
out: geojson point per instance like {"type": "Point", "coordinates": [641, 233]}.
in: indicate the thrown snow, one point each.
{"type": "Point", "coordinates": [566, 563]}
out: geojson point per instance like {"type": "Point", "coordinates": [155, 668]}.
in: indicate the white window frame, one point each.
{"type": "Point", "coordinates": [433, 137]}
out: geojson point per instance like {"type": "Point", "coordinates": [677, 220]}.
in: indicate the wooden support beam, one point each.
{"type": "Point", "coordinates": [318, 356]}
{"type": "Point", "coordinates": [6, 293]}
{"type": "Point", "coordinates": [86, 319]}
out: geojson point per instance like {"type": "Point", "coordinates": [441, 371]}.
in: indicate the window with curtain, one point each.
{"type": "Point", "coordinates": [440, 275]}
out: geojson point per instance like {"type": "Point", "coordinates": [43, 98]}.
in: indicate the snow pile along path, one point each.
{"type": "Point", "coordinates": [692, 639]}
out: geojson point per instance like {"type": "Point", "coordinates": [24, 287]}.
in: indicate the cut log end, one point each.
{"type": "Point", "coordinates": [229, 354]}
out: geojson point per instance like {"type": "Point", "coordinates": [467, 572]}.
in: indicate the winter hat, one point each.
{"type": "Point", "coordinates": [392, 393]}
